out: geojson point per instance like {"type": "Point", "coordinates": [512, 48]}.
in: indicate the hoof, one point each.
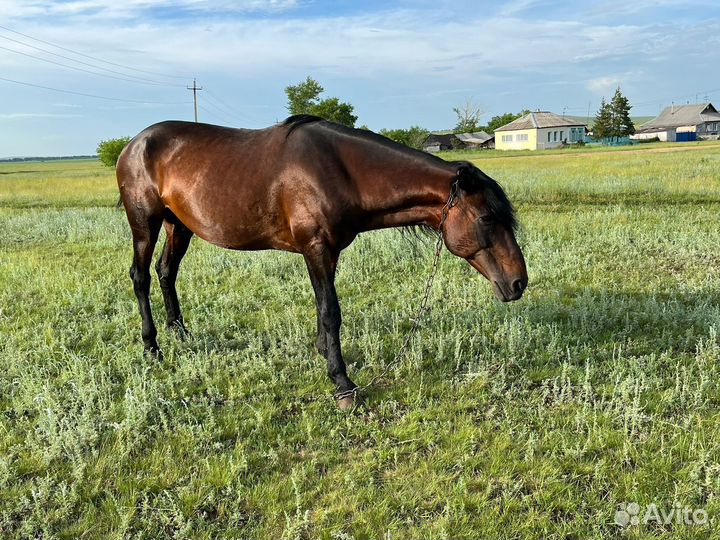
{"type": "Point", "coordinates": [348, 400]}
{"type": "Point", "coordinates": [180, 330]}
{"type": "Point", "coordinates": [154, 352]}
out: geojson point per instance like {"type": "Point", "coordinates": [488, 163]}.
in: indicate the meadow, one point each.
{"type": "Point", "coordinates": [534, 419]}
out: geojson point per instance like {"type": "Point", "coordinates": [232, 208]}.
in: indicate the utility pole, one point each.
{"type": "Point", "coordinates": [194, 88]}
{"type": "Point", "coordinates": [588, 116]}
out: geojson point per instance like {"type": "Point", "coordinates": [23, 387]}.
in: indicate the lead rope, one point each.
{"type": "Point", "coordinates": [452, 200]}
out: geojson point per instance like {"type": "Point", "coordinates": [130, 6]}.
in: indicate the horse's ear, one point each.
{"type": "Point", "coordinates": [468, 179]}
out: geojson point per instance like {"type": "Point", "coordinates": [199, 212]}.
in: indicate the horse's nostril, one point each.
{"type": "Point", "coordinates": [518, 286]}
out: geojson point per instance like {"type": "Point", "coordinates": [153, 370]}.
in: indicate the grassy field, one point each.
{"type": "Point", "coordinates": [534, 419]}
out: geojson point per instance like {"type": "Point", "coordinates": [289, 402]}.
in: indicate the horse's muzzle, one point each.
{"type": "Point", "coordinates": [510, 291]}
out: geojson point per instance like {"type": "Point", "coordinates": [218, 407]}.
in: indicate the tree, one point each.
{"type": "Point", "coordinates": [468, 117]}
{"type": "Point", "coordinates": [109, 151]}
{"type": "Point", "coordinates": [503, 119]}
{"type": "Point", "coordinates": [304, 98]}
{"type": "Point", "coordinates": [602, 128]}
{"type": "Point", "coordinates": [413, 137]}
{"type": "Point", "coordinates": [622, 125]}
{"type": "Point", "coordinates": [613, 119]}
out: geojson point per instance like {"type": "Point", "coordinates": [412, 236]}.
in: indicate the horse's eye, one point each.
{"type": "Point", "coordinates": [485, 220]}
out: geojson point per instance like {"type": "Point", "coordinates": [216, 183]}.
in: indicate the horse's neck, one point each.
{"type": "Point", "coordinates": [406, 195]}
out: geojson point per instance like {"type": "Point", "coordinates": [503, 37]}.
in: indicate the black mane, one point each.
{"type": "Point", "coordinates": [473, 180]}
{"type": "Point", "coordinates": [297, 120]}
{"type": "Point", "coordinates": [498, 201]}
{"type": "Point", "coordinates": [495, 197]}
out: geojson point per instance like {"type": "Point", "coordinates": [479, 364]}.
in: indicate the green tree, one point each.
{"type": "Point", "coordinates": [621, 124]}
{"type": "Point", "coordinates": [602, 128]}
{"type": "Point", "coordinates": [503, 119]}
{"type": "Point", "coordinates": [613, 119]}
{"type": "Point", "coordinates": [109, 151]}
{"type": "Point", "coordinates": [413, 137]}
{"type": "Point", "coordinates": [304, 98]}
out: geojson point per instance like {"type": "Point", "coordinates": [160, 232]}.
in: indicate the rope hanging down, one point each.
{"type": "Point", "coordinates": [452, 200]}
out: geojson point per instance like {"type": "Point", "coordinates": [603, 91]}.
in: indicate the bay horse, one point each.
{"type": "Point", "coordinates": [307, 186]}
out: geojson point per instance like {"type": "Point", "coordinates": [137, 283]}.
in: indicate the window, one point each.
{"type": "Point", "coordinates": [562, 135]}
{"type": "Point", "coordinates": [522, 137]}
{"type": "Point", "coordinates": [549, 135]}
{"type": "Point", "coordinates": [507, 138]}
{"type": "Point", "coordinates": [555, 136]}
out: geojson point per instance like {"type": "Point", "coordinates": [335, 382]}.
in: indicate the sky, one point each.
{"type": "Point", "coordinates": [124, 65]}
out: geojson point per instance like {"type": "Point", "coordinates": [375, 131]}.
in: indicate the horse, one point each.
{"type": "Point", "coordinates": [307, 186]}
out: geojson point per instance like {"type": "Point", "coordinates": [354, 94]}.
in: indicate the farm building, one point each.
{"type": "Point", "coordinates": [539, 131]}
{"type": "Point", "coordinates": [682, 123]}
{"type": "Point", "coordinates": [458, 141]}
{"type": "Point", "coordinates": [479, 139]}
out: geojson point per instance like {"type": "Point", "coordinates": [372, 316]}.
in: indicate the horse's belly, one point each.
{"type": "Point", "coordinates": [241, 230]}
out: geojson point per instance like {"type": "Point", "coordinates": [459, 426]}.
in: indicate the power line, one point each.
{"type": "Point", "coordinates": [225, 109]}
{"type": "Point", "coordinates": [93, 57]}
{"type": "Point", "coordinates": [677, 98]}
{"type": "Point", "coordinates": [141, 102]}
{"type": "Point", "coordinates": [223, 120]}
{"type": "Point", "coordinates": [222, 114]}
{"type": "Point", "coordinates": [139, 79]}
{"type": "Point", "coordinates": [76, 68]}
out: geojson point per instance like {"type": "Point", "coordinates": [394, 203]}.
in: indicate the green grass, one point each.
{"type": "Point", "coordinates": [525, 420]}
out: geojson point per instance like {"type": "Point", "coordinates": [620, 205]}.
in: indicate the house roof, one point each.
{"type": "Point", "coordinates": [540, 119]}
{"type": "Point", "coordinates": [683, 115]}
{"type": "Point", "coordinates": [442, 138]}
{"type": "Point", "coordinates": [479, 137]}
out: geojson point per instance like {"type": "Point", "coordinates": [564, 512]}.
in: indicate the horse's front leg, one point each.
{"type": "Point", "coordinates": [321, 262]}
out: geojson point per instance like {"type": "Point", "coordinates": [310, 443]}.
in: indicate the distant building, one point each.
{"type": "Point", "coordinates": [682, 123]}
{"type": "Point", "coordinates": [437, 142]}
{"type": "Point", "coordinates": [539, 131]}
{"type": "Point", "coordinates": [479, 139]}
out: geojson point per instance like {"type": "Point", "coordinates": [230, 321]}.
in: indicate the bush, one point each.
{"type": "Point", "coordinates": [109, 151]}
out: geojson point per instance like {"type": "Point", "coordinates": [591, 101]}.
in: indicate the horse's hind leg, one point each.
{"type": "Point", "coordinates": [145, 233]}
{"type": "Point", "coordinates": [178, 240]}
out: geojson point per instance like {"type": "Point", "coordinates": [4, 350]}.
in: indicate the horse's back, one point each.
{"type": "Point", "coordinates": [222, 183]}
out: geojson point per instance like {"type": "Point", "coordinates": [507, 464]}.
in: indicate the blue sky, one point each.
{"type": "Point", "coordinates": [399, 63]}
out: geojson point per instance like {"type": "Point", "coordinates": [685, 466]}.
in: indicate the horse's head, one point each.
{"type": "Point", "coordinates": [480, 229]}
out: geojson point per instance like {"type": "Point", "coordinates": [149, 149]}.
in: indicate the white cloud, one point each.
{"type": "Point", "coordinates": [603, 85]}
{"type": "Point", "coordinates": [606, 85]}
{"type": "Point", "coordinates": [364, 45]}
